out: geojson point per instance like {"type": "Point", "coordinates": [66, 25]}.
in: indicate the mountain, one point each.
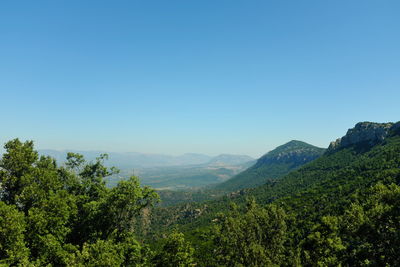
{"type": "Point", "coordinates": [227, 159]}
{"type": "Point", "coordinates": [367, 154]}
{"type": "Point", "coordinates": [323, 186]}
{"type": "Point", "coordinates": [133, 160]}
{"type": "Point", "coordinates": [342, 209]}
{"type": "Point", "coordinates": [274, 164]}
{"type": "Point", "coordinates": [367, 133]}
{"type": "Point", "coordinates": [219, 176]}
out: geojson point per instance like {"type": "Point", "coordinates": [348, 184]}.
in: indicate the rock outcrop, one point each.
{"type": "Point", "coordinates": [364, 132]}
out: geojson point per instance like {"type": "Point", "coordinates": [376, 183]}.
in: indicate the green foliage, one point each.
{"type": "Point", "coordinates": [323, 245]}
{"type": "Point", "coordinates": [13, 248]}
{"type": "Point", "coordinates": [172, 198]}
{"type": "Point", "coordinates": [125, 251]}
{"type": "Point", "coordinates": [255, 238]}
{"type": "Point", "coordinates": [74, 160]}
{"type": "Point", "coordinates": [48, 225]}
{"type": "Point", "coordinates": [63, 216]}
{"type": "Point", "coordinates": [175, 251]}
{"type": "Point", "coordinates": [100, 253]}
{"type": "Point", "coordinates": [372, 227]}
{"type": "Point", "coordinates": [124, 203]}
{"type": "Point", "coordinates": [13, 166]}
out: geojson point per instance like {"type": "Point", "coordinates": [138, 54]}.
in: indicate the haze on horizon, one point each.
{"type": "Point", "coordinates": [200, 77]}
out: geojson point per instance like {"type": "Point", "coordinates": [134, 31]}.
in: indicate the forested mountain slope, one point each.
{"type": "Point", "coordinates": [342, 208]}
{"type": "Point", "coordinates": [272, 165]}
{"type": "Point", "coordinates": [339, 163]}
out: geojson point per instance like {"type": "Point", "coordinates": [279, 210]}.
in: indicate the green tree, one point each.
{"type": "Point", "coordinates": [16, 162]}
{"type": "Point", "coordinates": [74, 160]}
{"type": "Point", "coordinates": [124, 203]}
{"type": "Point", "coordinates": [93, 185]}
{"type": "Point", "coordinates": [372, 227]}
{"type": "Point", "coordinates": [111, 252]}
{"type": "Point", "coordinates": [101, 253]}
{"type": "Point", "coordinates": [255, 238]}
{"type": "Point", "coordinates": [176, 251]}
{"type": "Point", "coordinates": [324, 247]}
{"type": "Point", "coordinates": [49, 224]}
{"type": "Point", "coordinates": [61, 216]}
{"type": "Point", "coordinates": [13, 248]}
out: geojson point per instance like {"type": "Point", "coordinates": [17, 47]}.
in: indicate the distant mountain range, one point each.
{"type": "Point", "coordinates": [227, 159]}
{"type": "Point", "coordinates": [133, 160]}
{"type": "Point", "coordinates": [165, 171]}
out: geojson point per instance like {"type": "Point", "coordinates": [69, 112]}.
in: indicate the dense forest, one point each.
{"type": "Point", "coordinates": [340, 209]}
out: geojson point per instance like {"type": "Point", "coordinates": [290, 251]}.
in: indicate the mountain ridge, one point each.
{"type": "Point", "coordinates": [273, 165]}
{"type": "Point", "coordinates": [145, 160]}
{"type": "Point", "coordinates": [366, 132]}
{"type": "Point", "coordinates": [322, 190]}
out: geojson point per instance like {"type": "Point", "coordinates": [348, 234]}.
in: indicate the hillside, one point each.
{"type": "Point", "coordinates": [322, 193]}
{"type": "Point", "coordinates": [345, 168]}
{"type": "Point", "coordinates": [272, 165]}
{"type": "Point", "coordinates": [342, 167]}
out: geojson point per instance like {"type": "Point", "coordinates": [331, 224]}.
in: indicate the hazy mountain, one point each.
{"type": "Point", "coordinates": [133, 160]}
{"type": "Point", "coordinates": [227, 159]}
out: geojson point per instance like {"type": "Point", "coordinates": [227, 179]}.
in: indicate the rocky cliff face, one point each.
{"type": "Point", "coordinates": [364, 132]}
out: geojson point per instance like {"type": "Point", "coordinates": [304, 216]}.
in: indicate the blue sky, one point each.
{"type": "Point", "coordinates": [195, 76]}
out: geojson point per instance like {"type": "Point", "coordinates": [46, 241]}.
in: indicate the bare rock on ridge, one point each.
{"type": "Point", "coordinates": [369, 132]}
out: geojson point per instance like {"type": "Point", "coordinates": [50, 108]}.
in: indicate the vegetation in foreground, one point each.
{"type": "Point", "coordinates": [66, 216]}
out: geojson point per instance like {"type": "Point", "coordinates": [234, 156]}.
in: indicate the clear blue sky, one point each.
{"type": "Point", "coordinates": [195, 76]}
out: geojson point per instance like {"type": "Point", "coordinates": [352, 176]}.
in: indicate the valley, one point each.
{"type": "Point", "coordinates": [165, 172]}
